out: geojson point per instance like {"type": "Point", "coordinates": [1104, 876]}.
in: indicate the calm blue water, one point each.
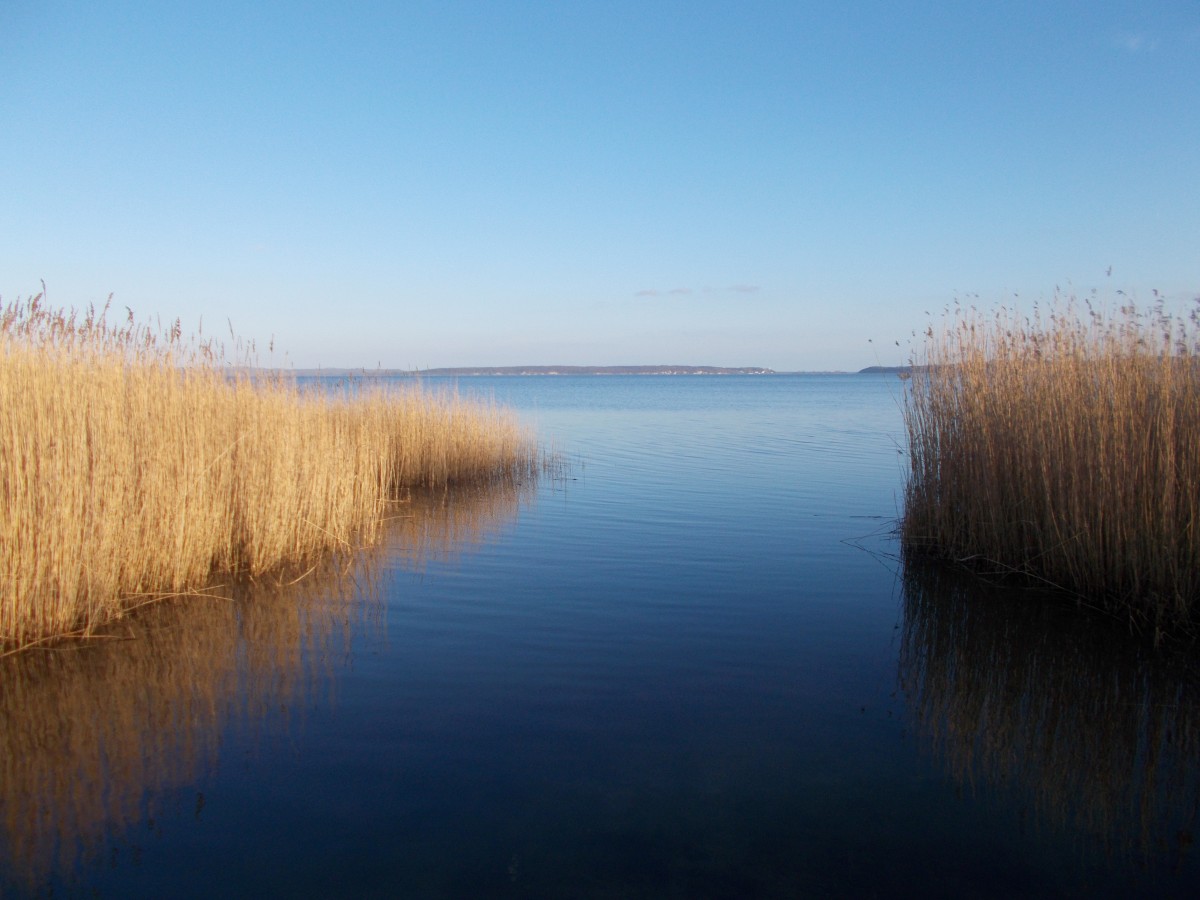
{"type": "Point", "coordinates": [692, 665]}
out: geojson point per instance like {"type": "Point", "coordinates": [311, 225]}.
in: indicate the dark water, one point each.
{"type": "Point", "coordinates": [691, 666]}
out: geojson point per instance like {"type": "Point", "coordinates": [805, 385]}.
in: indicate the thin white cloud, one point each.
{"type": "Point", "coordinates": [687, 291]}
{"type": "Point", "coordinates": [1137, 42]}
{"type": "Point", "coordinates": [673, 292]}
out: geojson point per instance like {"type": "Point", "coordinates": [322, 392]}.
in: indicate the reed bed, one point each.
{"type": "Point", "coordinates": [137, 464]}
{"type": "Point", "coordinates": [1063, 448]}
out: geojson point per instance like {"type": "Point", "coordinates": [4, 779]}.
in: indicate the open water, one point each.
{"type": "Point", "coordinates": [689, 664]}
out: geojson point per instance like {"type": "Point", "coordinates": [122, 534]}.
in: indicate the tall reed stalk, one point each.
{"type": "Point", "coordinates": [136, 463]}
{"type": "Point", "coordinates": [1064, 448]}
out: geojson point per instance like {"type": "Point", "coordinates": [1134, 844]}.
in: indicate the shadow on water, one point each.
{"type": "Point", "coordinates": [94, 737]}
{"type": "Point", "coordinates": [1091, 733]}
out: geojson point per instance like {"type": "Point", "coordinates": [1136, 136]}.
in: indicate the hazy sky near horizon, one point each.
{"type": "Point", "coordinates": [420, 184]}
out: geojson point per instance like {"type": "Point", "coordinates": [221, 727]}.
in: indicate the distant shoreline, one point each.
{"type": "Point", "coordinates": [549, 370]}
{"type": "Point", "coordinates": [499, 371]}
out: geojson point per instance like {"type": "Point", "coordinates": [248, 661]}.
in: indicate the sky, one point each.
{"type": "Point", "coordinates": [795, 185]}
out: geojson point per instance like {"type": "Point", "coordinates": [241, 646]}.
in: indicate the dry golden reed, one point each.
{"type": "Point", "coordinates": [135, 463]}
{"type": "Point", "coordinates": [1065, 448]}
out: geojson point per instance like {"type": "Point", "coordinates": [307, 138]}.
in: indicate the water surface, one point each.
{"type": "Point", "coordinates": [689, 666]}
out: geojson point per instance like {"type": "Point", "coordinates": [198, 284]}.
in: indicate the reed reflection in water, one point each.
{"type": "Point", "coordinates": [1016, 693]}
{"type": "Point", "coordinates": [94, 735]}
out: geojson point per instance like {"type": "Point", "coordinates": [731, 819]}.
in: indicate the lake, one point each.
{"type": "Point", "coordinates": [687, 662]}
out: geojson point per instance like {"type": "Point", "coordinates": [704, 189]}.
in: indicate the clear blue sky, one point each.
{"type": "Point", "coordinates": [414, 184]}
